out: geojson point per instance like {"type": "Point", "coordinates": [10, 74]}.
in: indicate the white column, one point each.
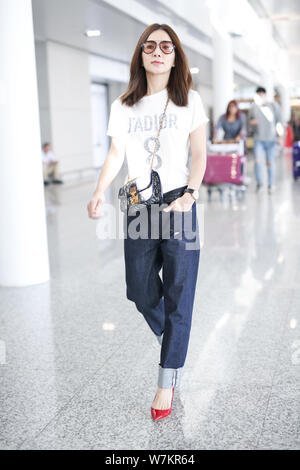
{"type": "Point", "coordinates": [285, 103]}
{"type": "Point", "coordinates": [223, 85]}
{"type": "Point", "coordinates": [23, 236]}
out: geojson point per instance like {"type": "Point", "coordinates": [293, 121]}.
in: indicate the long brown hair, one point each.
{"type": "Point", "coordinates": [180, 79]}
{"type": "Point", "coordinates": [235, 103]}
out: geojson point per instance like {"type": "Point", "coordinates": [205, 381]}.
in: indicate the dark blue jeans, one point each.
{"type": "Point", "coordinates": [167, 241]}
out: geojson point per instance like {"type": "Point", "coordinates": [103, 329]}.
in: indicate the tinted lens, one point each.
{"type": "Point", "coordinates": [149, 46]}
{"type": "Point", "coordinates": [166, 47]}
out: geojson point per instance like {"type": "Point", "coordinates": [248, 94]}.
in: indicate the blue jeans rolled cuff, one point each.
{"type": "Point", "coordinates": [169, 378]}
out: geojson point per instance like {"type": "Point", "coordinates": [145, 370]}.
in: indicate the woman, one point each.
{"type": "Point", "coordinates": [159, 69]}
{"type": "Point", "coordinates": [232, 124]}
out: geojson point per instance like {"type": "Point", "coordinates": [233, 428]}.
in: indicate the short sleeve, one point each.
{"type": "Point", "coordinates": [243, 118]}
{"type": "Point", "coordinates": [251, 113]}
{"type": "Point", "coordinates": [198, 113]}
{"type": "Point", "coordinates": [277, 113]}
{"type": "Point", "coordinates": [118, 121]}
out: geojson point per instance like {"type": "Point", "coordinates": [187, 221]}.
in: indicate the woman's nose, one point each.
{"type": "Point", "coordinates": [157, 50]}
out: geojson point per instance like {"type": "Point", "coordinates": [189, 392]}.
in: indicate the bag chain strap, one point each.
{"type": "Point", "coordinates": [160, 126]}
{"type": "Point", "coordinates": [156, 138]}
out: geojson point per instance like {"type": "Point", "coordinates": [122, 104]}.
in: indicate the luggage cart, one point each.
{"type": "Point", "coordinates": [226, 170]}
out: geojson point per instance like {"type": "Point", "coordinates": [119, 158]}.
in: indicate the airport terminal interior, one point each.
{"type": "Point", "coordinates": [78, 362]}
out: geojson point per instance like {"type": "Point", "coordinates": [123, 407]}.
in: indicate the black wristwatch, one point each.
{"type": "Point", "coordinates": [193, 192]}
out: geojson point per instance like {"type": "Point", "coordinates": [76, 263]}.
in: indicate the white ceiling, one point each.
{"type": "Point", "coordinates": [285, 17]}
{"type": "Point", "coordinates": [65, 21]}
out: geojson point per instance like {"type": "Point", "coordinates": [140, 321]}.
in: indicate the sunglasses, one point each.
{"type": "Point", "coordinates": [165, 46]}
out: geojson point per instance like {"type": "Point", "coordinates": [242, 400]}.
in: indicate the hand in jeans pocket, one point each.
{"type": "Point", "coordinates": [181, 204]}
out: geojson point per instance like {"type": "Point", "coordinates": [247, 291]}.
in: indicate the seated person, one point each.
{"type": "Point", "coordinates": [50, 165]}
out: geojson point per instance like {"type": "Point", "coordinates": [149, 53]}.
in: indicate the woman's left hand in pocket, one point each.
{"type": "Point", "coordinates": [181, 204]}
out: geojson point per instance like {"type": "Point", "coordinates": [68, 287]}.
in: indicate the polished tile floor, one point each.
{"type": "Point", "coordinates": [81, 363]}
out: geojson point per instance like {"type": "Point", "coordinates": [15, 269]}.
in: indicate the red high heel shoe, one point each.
{"type": "Point", "coordinates": [159, 414]}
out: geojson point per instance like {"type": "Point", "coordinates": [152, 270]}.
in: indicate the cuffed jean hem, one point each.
{"type": "Point", "coordinates": [169, 378]}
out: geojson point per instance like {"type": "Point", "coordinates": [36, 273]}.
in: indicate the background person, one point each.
{"type": "Point", "coordinates": [265, 117]}
{"type": "Point", "coordinates": [296, 128]}
{"type": "Point", "coordinates": [50, 165]}
{"type": "Point", "coordinates": [232, 123]}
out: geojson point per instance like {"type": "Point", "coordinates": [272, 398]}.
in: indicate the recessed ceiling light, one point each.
{"type": "Point", "coordinates": [92, 33]}
{"type": "Point", "coordinates": [194, 70]}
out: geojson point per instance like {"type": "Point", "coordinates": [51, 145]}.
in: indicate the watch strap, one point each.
{"type": "Point", "coordinates": [191, 191]}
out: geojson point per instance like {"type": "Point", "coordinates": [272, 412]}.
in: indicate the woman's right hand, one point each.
{"type": "Point", "coordinates": [94, 205]}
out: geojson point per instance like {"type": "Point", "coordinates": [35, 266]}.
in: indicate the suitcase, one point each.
{"type": "Point", "coordinates": [296, 160]}
{"type": "Point", "coordinates": [228, 168]}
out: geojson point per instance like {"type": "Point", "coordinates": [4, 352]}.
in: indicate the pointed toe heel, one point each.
{"type": "Point", "coordinates": [159, 414]}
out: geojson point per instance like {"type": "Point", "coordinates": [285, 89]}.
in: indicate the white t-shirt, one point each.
{"type": "Point", "coordinates": [138, 125]}
{"type": "Point", "coordinates": [47, 157]}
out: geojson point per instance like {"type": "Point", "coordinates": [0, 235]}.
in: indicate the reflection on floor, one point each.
{"type": "Point", "coordinates": [80, 358]}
